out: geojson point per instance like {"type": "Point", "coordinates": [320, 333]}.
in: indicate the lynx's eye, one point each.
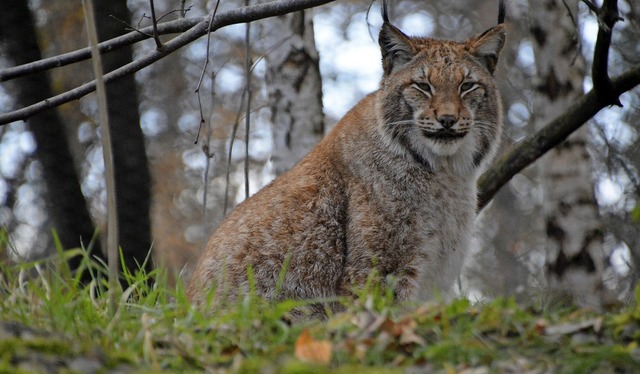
{"type": "Point", "coordinates": [423, 87]}
{"type": "Point", "coordinates": [467, 86]}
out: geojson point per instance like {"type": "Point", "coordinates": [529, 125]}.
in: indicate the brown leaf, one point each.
{"type": "Point", "coordinates": [404, 330]}
{"type": "Point", "coordinates": [394, 329]}
{"type": "Point", "coordinates": [540, 326]}
{"type": "Point", "coordinates": [410, 337]}
{"type": "Point", "coordinates": [310, 350]}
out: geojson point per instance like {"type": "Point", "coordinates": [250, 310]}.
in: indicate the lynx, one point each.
{"type": "Point", "coordinates": [392, 188]}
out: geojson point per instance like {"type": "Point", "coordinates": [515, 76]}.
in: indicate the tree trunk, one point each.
{"type": "Point", "coordinates": [133, 183]}
{"type": "Point", "coordinates": [66, 204]}
{"type": "Point", "coordinates": [574, 235]}
{"type": "Point", "coordinates": [295, 89]}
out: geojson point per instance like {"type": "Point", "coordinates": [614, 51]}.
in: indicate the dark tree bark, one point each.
{"type": "Point", "coordinates": [133, 183]}
{"type": "Point", "coordinates": [67, 208]}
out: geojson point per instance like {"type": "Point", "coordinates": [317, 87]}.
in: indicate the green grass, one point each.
{"type": "Point", "coordinates": [48, 320]}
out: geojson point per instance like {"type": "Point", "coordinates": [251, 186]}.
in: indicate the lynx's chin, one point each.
{"type": "Point", "coordinates": [453, 153]}
{"type": "Point", "coordinates": [445, 144]}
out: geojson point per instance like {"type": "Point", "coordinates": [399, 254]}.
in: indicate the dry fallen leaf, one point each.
{"type": "Point", "coordinates": [540, 326]}
{"type": "Point", "coordinates": [404, 330]}
{"type": "Point", "coordinates": [310, 350]}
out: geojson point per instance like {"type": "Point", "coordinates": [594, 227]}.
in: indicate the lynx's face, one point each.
{"type": "Point", "coordinates": [438, 101]}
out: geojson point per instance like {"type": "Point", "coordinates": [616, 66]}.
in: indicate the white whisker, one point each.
{"type": "Point", "coordinates": [485, 126]}
{"type": "Point", "coordinates": [404, 122]}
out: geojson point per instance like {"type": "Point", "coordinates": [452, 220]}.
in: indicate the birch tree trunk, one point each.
{"type": "Point", "coordinates": [574, 258]}
{"type": "Point", "coordinates": [295, 89]}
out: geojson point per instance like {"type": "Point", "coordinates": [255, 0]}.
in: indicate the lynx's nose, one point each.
{"type": "Point", "coordinates": [447, 121]}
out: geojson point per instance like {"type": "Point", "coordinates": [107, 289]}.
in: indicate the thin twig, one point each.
{"type": "Point", "coordinates": [142, 17]}
{"type": "Point", "coordinates": [208, 154]}
{"type": "Point", "coordinates": [232, 140]}
{"type": "Point", "coordinates": [204, 69]}
{"type": "Point", "coordinates": [247, 117]}
{"type": "Point", "coordinates": [183, 12]}
{"type": "Point", "coordinates": [234, 131]}
{"type": "Point", "coordinates": [369, 25]}
{"type": "Point", "coordinates": [570, 15]}
{"type": "Point", "coordinates": [130, 27]}
{"type": "Point", "coordinates": [202, 121]}
{"type": "Point", "coordinates": [574, 22]}
{"type": "Point", "coordinates": [175, 11]}
{"type": "Point", "coordinates": [112, 217]}
{"type": "Point", "coordinates": [154, 23]}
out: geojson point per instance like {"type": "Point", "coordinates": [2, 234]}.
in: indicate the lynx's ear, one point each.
{"type": "Point", "coordinates": [486, 46]}
{"type": "Point", "coordinates": [397, 49]}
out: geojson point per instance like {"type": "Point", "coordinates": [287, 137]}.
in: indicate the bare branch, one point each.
{"type": "Point", "coordinates": [240, 15]}
{"type": "Point", "coordinates": [200, 27]}
{"type": "Point", "coordinates": [607, 17]}
{"type": "Point", "coordinates": [554, 133]}
{"type": "Point", "coordinates": [605, 92]}
{"type": "Point", "coordinates": [130, 38]}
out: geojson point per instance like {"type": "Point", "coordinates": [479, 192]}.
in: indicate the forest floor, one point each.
{"type": "Point", "coordinates": [50, 324]}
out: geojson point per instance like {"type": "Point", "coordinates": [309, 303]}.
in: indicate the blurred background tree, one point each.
{"type": "Point", "coordinates": [51, 179]}
{"type": "Point", "coordinates": [572, 226]}
{"type": "Point", "coordinates": [293, 106]}
{"type": "Point", "coordinates": [132, 177]}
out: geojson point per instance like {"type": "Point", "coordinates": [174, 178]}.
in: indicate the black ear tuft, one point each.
{"type": "Point", "coordinates": [502, 11]}
{"type": "Point", "coordinates": [396, 48]}
{"type": "Point", "coordinates": [486, 47]}
{"type": "Point", "coordinates": [385, 13]}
